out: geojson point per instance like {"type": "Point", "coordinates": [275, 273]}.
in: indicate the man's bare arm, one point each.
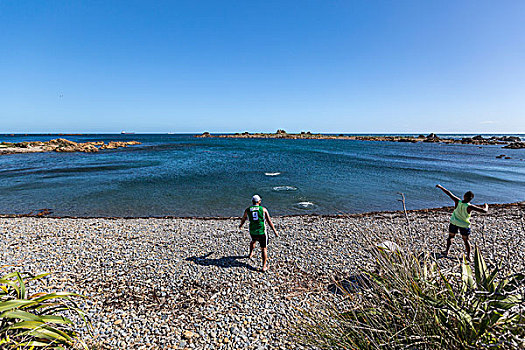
{"type": "Point", "coordinates": [267, 215]}
{"type": "Point", "coordinates": [448, 193]}
{"type": "Point", "coordinates": [243, 219]}
{"type": "Point", "coordinates": [484, 209]}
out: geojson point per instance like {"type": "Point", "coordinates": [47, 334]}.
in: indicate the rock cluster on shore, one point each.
{"type": "Point", "coordinates": [61, 145]}
{"type": "Point", "coordinates": [511, 141]}
{"type": "Point", "coordinates": [186, 283]}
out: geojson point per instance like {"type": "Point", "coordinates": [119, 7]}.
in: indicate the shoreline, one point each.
{"type": "Point", "coordinates": [208, 218]}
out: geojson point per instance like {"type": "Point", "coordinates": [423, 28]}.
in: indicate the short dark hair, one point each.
{"type": "Point", "coordinates": [468, 195]}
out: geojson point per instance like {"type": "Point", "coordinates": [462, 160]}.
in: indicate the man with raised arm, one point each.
{"type": "Point", "coordinates": [460, 219]}
{"type": "Point", "coordinates": [257, 215]}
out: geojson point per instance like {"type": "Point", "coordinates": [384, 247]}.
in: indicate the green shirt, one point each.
{"type": "Point", "coordinates": [256, 217]}
{"type": "Point", "coordinates": [460, 216]}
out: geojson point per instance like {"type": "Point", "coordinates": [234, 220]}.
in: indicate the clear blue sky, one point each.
{"type": "Point", "coordinates": [227, 66]}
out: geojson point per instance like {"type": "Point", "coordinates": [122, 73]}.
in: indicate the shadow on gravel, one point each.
{"type": "Point", "coordinates": [350, 284]}
{"type": "Point", "coordinates": [224, 262]}
{"type": "Point", "coordinates": [355, 283]}
{"type": "Point", "coordinates": [440, 255]}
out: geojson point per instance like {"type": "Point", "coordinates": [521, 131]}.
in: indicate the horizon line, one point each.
{"type": "Point", "coordinates": [72, 133]}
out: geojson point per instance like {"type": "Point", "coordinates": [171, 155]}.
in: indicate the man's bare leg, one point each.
{"type": "Point", "coordinates": [467, 246]}
{"type": "Point", "coordinates": [264, 252]}
{"type": "Point", "coordinates": [449, 242]}
{"type": "Point", "coordinates": [252, 247]}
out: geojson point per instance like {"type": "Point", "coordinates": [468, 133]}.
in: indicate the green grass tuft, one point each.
{"type": "Point", "coordinates": [408, 302]}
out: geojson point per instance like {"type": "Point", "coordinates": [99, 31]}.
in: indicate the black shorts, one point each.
{"type": "Point", "coordinates": [465, 231]}
{"type": "Point", "coordinates": [262, 239]}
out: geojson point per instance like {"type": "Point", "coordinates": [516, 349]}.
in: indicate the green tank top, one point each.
{"type": "Point", "coordinates": [256, 217]}
{"type": "Point", "coordinates": [460, 216]}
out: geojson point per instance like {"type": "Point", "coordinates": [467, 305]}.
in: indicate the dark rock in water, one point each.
{"type": "Point", "coordinates": [431, 138]}
{"type": "Point", "coordinates": [478, 138]}
{"type": "Point", "coordinates": [508, 158]}
{"type": "Point", "coordinates": [515, 145]}
{"type": "Point", "coordinates": [510, 139]}
{"type": "Point", "coordinates": [421, 136]}
{"type": "Point", "coordinates": [500, 156]}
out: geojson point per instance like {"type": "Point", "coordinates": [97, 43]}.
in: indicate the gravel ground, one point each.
{"type": "Point", "coordinates": [186, 283]}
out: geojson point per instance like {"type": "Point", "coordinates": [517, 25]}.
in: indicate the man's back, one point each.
{"type": "Point", "coordinates": [256, 217]}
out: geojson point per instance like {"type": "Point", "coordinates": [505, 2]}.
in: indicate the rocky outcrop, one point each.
{"type": "Point", "coordinates": [280, 134]}
{"type": "Point", "coordinates": [510, 139]}
{"type": "Point", "coordinates": [515, 142]}
{"type": "Point", "coordinates": [118, 144]}
{"type": "Point", "coordinates": [432, 138]}
{"type": "Point", "coordinates": [61, 145]}
{"type": "Point", "coordinates": [515, 145]}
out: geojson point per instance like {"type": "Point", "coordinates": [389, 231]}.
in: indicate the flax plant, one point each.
{"type": "Point", "coordinates": [409, 302]}
{"type": "Point", "coordinates": [39, 320]}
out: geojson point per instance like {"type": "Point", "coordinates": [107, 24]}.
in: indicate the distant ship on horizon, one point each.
{"type": "Point", "coordinates": [126, 133]}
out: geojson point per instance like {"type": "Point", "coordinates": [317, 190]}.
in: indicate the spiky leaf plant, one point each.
{"type": "Point", "coordinates": [408, 302]}
{"type": "Point", "coordinates": [38, 320]}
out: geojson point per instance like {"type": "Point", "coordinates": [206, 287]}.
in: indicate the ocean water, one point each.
{"type": "Point", "coordinates": [179, 175]}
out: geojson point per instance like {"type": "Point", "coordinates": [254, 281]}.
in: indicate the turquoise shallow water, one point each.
{"type": "Point", "coordinates": [181, 175]}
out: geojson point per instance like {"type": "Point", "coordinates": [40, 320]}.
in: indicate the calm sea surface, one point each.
{"type": "Point", "coordinates": [185, 176]}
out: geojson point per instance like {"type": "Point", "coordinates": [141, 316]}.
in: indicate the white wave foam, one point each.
{"type": "Point", "coordinates": [272, 174]}
{"type": "Point", "coordinates": [305, 205]}
{"type": "Point", "coordinates": [284, 188]}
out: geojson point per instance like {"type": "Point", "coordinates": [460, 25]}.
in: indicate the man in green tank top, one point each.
{"type": "Point", "coordinates": [460, 219]}
{"type": "Point", "coordinates": [257, 215]}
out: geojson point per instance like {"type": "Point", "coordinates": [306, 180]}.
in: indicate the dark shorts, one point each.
{"type": "Point", "coordinates": [465, 231]}
{"type": "Point", "coordinates": [262, 239]}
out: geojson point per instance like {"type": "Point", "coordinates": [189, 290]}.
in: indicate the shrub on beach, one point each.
{"type": "Point", "coordinates": [409, 302]}
{"type": "Point", "coordinates": [38, 320]}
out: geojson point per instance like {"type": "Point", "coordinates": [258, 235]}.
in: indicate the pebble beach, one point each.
{"type": "Point", "coordinates": [176, 283]}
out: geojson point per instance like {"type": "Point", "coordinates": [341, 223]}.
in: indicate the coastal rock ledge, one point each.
{"type": "Point", "coordinates": [61, 145]}
{"type": "Point", "coordinates": [514, 142]}
{"type": "Point", "coordinates": [515, 145]}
